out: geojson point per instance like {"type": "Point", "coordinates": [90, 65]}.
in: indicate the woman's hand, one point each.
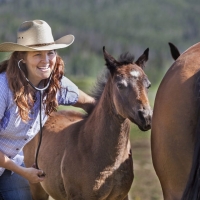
{"type": "Point", "coordinates": [33, 175]}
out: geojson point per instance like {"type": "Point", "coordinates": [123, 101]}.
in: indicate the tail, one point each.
{"type": "Point", "coordinates": [192, 190]}
{"type": "Point", "coordinates": [174, 51]}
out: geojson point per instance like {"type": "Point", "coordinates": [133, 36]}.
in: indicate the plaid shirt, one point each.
{"type": "Point", "coordinates": [14, 133]}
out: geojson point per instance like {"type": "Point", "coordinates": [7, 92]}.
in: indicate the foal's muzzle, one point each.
{"type": "Point", "coordinates": [145, 118]}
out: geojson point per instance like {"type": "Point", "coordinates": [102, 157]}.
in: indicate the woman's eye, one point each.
{"type": "Point", "coordinates": [51, 52]}
{"type": "Point", "coordinates": [38, 54]}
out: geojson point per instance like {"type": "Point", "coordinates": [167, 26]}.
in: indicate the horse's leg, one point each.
{"type": "Point", "coordinates": [126, 198]}
{"type": "Point", "coordinates": [172, 195]}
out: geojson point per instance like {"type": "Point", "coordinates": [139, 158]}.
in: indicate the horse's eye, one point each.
{"type": "Point", "coordinates": [120, 86]}
{"type": "Point", "coordinates": [147, 83]}
{"type": "Point", "coordinates": [148, 86]}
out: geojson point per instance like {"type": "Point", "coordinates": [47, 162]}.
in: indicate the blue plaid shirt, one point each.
{"type": "Point", "coordinates": [14, 133]}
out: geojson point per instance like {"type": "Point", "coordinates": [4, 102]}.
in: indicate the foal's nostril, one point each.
{"type": "Point", "coordinates": [141, 114]}
{"type": "Point", "coordinates": [145, 119]}
{"type": "Point", "coordinates": [147, 127]}
{"type": "Point", "coordinates": [145, 116]}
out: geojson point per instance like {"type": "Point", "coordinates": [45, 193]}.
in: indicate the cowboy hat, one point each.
{"type": "Point", "coordinates": [36, 35]}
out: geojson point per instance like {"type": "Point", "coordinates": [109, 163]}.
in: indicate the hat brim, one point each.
{"type": "Point", "coordinates": [63, 42]}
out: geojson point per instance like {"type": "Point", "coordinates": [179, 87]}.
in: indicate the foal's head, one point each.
{"type": "Point", "coordinates": [130, 86]}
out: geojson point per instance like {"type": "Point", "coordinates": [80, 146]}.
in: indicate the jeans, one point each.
{"type": "Point", "coordinates": [14, 187]}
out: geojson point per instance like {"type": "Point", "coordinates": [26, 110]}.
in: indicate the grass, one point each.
{"type": "Point", "coordinates": [145, 185]}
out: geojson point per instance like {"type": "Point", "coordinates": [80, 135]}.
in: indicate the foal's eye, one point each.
{"type": "Point", "coordinates": [120, 85]}
{"type": "Point", "coordinates": [149, 86]}
{"type": "Point", "coordinates": [147, 83]}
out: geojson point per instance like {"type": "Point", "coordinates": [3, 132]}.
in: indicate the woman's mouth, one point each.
{"type": "Point", "coordinates": [44, 68]}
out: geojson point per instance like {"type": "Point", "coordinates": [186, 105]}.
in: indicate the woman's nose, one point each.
{"type": "Point", "coordinates": [45, 58]}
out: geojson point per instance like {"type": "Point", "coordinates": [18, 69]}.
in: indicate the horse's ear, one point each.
{"type": "Point", "coordinates": [143, 59]}
{"type": "Point", "coordinates": [174, 51]}
{"type": "Point", "coordinates": [111, 63]}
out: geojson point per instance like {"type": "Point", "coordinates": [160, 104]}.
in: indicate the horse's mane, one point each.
{"type": "Point", "coordinates": [99, 86]}
{"type": "Point", "coordinates": [126, 58]}
{"type": "Point", "coordinates": [97, 90]}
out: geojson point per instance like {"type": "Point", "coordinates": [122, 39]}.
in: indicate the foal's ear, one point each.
{"type": "Point", "coordinates": [111, 63]}
{"type": "Point", "coordinates": [143, 59]}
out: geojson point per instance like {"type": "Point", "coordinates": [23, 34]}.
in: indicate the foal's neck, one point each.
{"type": "Point", "coordinates": [110, 132]}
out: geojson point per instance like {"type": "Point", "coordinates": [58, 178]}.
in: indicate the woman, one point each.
{"type": "Point", "coordinates": [34, 64]}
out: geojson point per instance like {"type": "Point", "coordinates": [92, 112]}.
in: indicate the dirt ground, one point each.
{"type": "Point", "coordinates": [145, 185]}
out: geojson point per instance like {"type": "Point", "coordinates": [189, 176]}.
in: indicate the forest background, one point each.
{"type": "Point", "coordinates": [120, 26]}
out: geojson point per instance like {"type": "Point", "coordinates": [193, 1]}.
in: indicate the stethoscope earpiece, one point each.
{"type": "Point", "coordinates": [36, 88]}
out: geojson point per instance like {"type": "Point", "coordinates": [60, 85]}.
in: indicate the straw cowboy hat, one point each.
{"type": "Point", "coordinates": [36, 35]}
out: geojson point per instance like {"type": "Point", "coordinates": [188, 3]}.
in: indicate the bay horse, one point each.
{"type": "Point", "coordinates": [175, 133]}
{"type": "Point", "coordinates": [89, 157]}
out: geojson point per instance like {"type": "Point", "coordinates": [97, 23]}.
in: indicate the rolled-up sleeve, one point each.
{"type": "Point", "coordinates": [3, 94]}
{"type": "Point", "coordinates": [68, 93]}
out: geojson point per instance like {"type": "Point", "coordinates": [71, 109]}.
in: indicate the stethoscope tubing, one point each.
{"type": "Point", "coordinates": [41, 90]}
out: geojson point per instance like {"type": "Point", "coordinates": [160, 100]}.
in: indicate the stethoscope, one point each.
{"type": "Point", "coordinates": [41, 90]}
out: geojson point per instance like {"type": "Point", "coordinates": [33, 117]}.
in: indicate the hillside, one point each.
{"type": "Point", "coordinates": [119, 25]}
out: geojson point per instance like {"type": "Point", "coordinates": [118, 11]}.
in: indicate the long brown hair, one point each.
{"type": "Point", "coordinates": [19, 86]}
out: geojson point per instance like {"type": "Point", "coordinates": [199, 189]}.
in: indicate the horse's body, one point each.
{"type": "Point", "coordinates": [89, 158]}
{"type": "Point", "coordinates": [174, 124]}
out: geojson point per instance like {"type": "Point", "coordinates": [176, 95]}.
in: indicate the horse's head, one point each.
{"type": "Point", "coordinates": [130, 86]}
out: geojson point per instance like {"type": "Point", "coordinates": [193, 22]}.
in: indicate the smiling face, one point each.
{"type": "Point", "coordinates": [39, 65]}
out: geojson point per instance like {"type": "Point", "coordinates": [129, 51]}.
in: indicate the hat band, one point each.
{"type": "Point", "coordinates": [39, 45]}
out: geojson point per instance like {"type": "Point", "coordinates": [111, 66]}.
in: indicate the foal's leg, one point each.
{"type": "Point", "coordinates": [38, 192]}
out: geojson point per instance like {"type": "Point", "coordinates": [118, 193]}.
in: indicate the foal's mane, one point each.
{"type": "Point", "coordinates": [99, 86]}
{"type": "Point", "coordinates": [97, 90]}
{"type": "Point", "coordinates": [126, 58]}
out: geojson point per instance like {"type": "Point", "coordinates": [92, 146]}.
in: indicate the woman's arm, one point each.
{"type": "Point", "coordinates": [31, 174]}
{"type": "Point", "coordinates": [85, 102]}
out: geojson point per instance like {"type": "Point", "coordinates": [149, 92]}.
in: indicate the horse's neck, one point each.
{"type": "Point", "coordinates": [110, 132]}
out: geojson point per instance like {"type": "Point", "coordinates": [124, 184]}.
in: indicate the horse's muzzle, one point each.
{"type": "Point", "coordinates": [145, 118]}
